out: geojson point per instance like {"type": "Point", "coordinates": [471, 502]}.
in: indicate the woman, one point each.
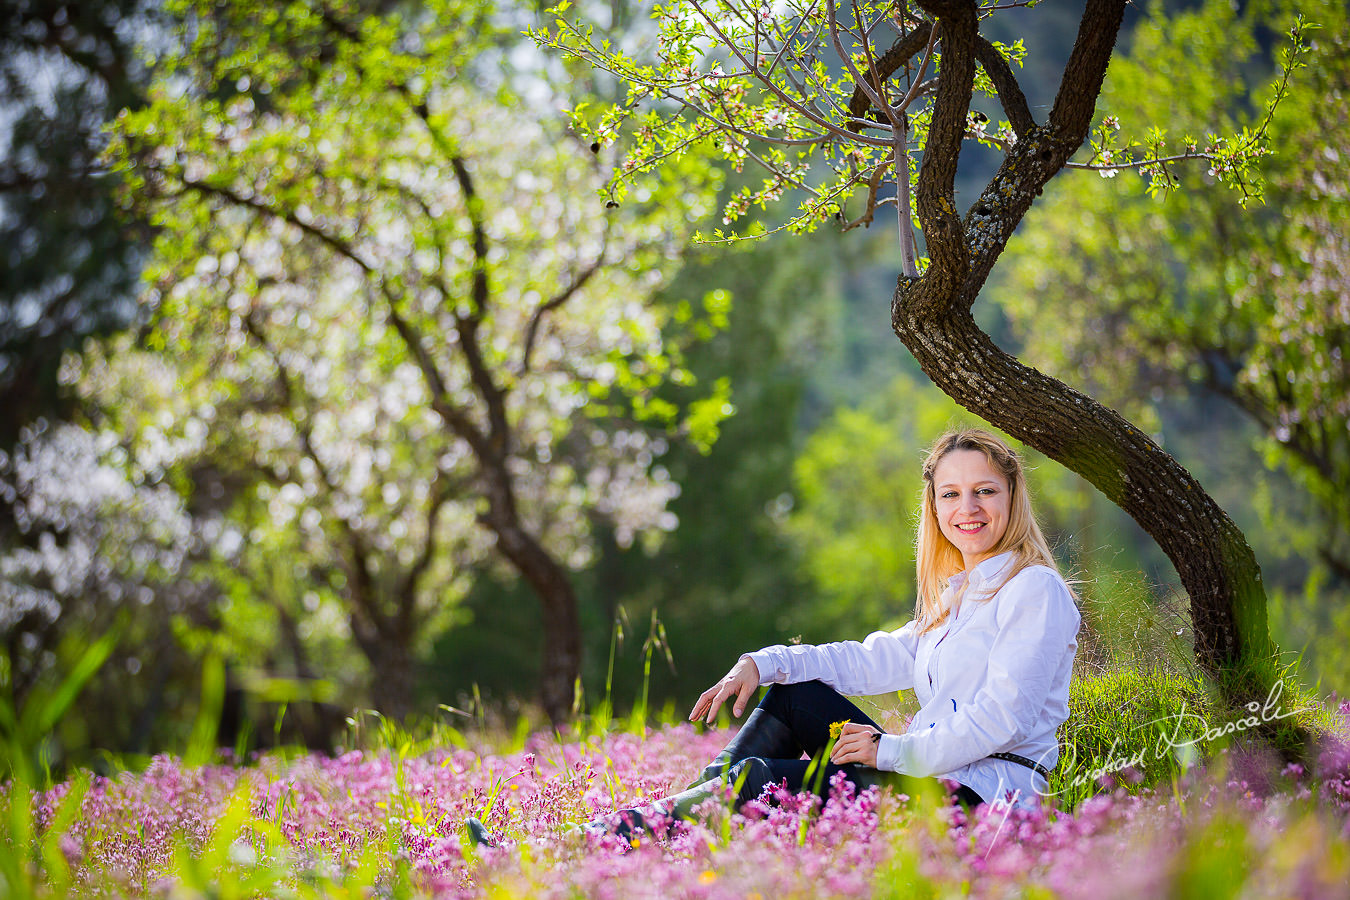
{"type": "Point", "coordinates": [988, 654]}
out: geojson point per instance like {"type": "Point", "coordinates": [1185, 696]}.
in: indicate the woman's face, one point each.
{"type": "Point", "coordinates": [972, 502]}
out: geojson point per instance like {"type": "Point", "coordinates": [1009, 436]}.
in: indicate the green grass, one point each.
{"type": "Point", "coordinates": [1134, 728]}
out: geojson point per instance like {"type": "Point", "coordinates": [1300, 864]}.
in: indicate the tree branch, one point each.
{"type": "Point", "coordinates": [455, 416]}
{"type": "Point", "coordinates": [442, 489]}
{"type": "Point", "coordinates": [787, 39]}
{"type": "Point", "coordinates": [473, 204]}
{"type": "Point", "coordinates": [875, 93]}
{"type": "Point", "coordinates": [1044, 150]}
{"type": "Point", "coordinates": [943, 231]}
{"type": "Point", "coordinates": [888, 64]}
{"type": "Point", "coordinates": [452, 414]}
{"type": "Point", "coordinates": [338, 245]}
{"type": "Point", "coordinates": [1010, 94]}
{"type": "Point", "coordinates": [363, 576]}
{"type": "Point", "coordinates": [873, 186]}
{"type": "Point", "coordinates": [499, 431]}
{"type": "Point", "coordinates": [1076, 100]}
{"type": "Point", "coordinates": [577, 282]}
{"type": "Point", "coordinates": [807, 113]}
{"type": "Point", "coordinates": [919, 86]}
{"type": "Point", "coordinates": [874, 77]}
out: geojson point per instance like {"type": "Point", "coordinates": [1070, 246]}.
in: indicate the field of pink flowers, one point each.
{"type": "Point", "coordinates": [389, 824]}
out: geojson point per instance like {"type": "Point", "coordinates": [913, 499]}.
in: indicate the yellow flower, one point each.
{"type": "Point", "coordinates": [836, 728]}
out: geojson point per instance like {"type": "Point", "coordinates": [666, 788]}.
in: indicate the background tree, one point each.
{"type": "Point", "coordinates": [760, 81]}
{"type": "Point", "coordinates": [725, 578]}
{"type": "Point", "coordinates": [382, 315]}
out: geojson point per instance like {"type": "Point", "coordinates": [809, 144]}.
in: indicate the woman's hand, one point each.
{"type": "Point", "coordinates": [856, 744]}
{"type": "Point", "coordinates": [742, 682]}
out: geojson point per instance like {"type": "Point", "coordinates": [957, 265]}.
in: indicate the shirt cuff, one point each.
{"type": "Point", "coordinates": [888, 752]}
{"type": "Point", "coordinates": [768, 670]}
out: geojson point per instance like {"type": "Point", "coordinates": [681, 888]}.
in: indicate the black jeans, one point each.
{"type": "Point", "coordinates": [808, 709]}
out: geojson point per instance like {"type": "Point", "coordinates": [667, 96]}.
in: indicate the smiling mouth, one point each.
{"type": "Point", "coordinates": [970, 527]}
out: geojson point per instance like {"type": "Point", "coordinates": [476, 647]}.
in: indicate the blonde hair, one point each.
{"type": "Point", "coordinates": [937, 559]}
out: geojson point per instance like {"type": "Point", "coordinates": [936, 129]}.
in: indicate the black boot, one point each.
{"type": "Point", "coordinates": [631, 821]}
{"type": "Point", "coordinates": [678, 806]}
{"type": "Point", "coordinates": [763, 735]}
{"type": "Point", "coordinates": [479, 834]}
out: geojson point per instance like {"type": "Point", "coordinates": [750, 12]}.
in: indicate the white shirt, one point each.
{"type": "Point", "coordinates": [993, 677]}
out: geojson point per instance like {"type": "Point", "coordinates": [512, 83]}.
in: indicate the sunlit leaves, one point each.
{"type": "Point", "coordinates": [770, 85]}
{"type": "Point", "coordinates": [750, 81]}
{"type": "Point", "coordinates": [1233, 158]}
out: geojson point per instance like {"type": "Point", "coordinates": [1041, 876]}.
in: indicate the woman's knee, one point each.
{"type": "Point", "coordinates": [802, 693]}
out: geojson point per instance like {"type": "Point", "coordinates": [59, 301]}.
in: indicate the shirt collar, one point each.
{"type": "Point", "coordinates": [986, 570]}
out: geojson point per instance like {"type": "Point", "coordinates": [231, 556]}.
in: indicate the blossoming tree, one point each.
{"type": "Point", "coordinates": [855, 107]}
{"type": "Point", "coordinates": [392, 323]}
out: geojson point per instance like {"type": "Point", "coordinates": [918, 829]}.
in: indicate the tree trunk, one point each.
{"type": "Point", "coordinates": [394, 677]}
{"type": "Point", "coordinates": [1212, 559]}
{"type": "Point", "coordinates": [561, 663]}
{"type": "Point", "coordinates": [931, 315]}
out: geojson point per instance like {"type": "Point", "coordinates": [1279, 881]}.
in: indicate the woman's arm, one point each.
{"type": "Point", "coordinates": [1037, 624]}
{"type": "Point", "coordinates": [882, 662]}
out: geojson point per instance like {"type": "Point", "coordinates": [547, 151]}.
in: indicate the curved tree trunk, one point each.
{"type": "Point", "coordinates": [931, 315]}
{"type": "Point", "coordinates": [1212, 558]}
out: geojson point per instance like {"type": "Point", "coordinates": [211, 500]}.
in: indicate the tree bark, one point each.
{"type": "Point", "coordinates": [395, 680]}
{"type": "Point", "coordinates": [561, 664]}
{"type": "Point", "coordinates": [931, 316]}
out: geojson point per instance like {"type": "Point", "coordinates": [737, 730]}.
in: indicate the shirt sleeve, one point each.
{"type": "Point", "coordinates": [1037, 624]}
{"type": "Point", "coordinates": [881, 662]}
